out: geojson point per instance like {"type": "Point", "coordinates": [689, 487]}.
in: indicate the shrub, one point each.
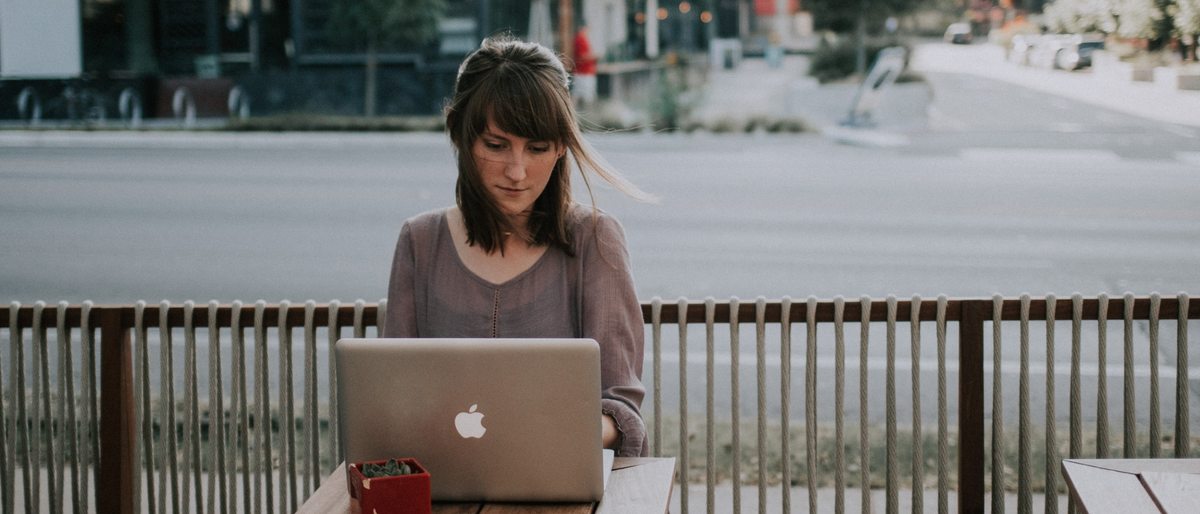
{"type": "Point", "coordinates": [833, 62]}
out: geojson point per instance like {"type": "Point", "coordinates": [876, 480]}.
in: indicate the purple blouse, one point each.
{"type": "Point", "coordinates": [433, 294]}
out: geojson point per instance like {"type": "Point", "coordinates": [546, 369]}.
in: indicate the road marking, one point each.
{"type": "Point", "coordinates": [1071, 128]}
{"type": "Point", "coordinates": [1188, 157]}
{"type": "Point", "coordinates": [1038, 154]}
{"type": "Point", "coordinates": [1087, 369]}
{"type": "Point", "coordinates": [1178, 130]}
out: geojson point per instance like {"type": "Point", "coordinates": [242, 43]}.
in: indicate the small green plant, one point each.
{"type": "Point", "coordinates": [391, 469]}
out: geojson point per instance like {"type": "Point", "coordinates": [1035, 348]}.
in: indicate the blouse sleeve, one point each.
{"type": "Point", "coordinates": [612, 316]}
{"type": "Point", "coordinates": [401, 304]}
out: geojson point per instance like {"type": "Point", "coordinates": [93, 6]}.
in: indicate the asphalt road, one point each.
{"type": "Point", "coordinates": [1000, 192]}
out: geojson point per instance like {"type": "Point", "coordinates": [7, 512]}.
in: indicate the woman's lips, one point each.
{"type": "Point", "coordinates": [510, 191]}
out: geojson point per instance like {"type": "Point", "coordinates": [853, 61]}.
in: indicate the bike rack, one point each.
{"type": "Point", "coordinates": [129, 105]}
{"type": "Point", "coordinates": [29, 105]}
{"type": "Point", "coordinates": [184, 107]}
{"type": "Point", "coordinates": [239, 103]}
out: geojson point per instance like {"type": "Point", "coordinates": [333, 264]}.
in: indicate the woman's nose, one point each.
{"type": "Point", "coordinates": [515, 170]}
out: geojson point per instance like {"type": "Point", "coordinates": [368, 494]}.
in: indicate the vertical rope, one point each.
{"type": "Point", "coordinates": [1076, 403]}
{"type": "Point", "coordinates": [380, 317]}
{"type": "Point", "coordinates": [88, 430]}
{"type": "Point", "coordinates": [785, 399]}
{"type": "Point", "coordinates": [918, 458]}
{"type": "Point", "coordinates": [264, 493]}
{"type": "Point", "coordinates": [41, 415]}
{"type": "Point", "coordinates": [169, 468]}
{"type": "Point", "coordinates": [64, 378]}
{"type": "Point", "coordinates": [810, 400]}
{"type": "Point", "coordinates": [997, 409]}
{"type": "Point", "coordinates": [64, 437]}
{"type": "Point", "coordinates": [360, 330]}
{"type": "Point", "coordinates": [1024, 445]}
{"type": "Point", "coordinates": [839, 404]}
{"type": "Point", "coordinates": [760, 315]}
{"type": "Point", "coordinates": [943, 421]}
{"type": "Point", "coordinates": [335, 333]}
{"type": "Point", "coordinates": [735, 400]}
{"type": "Point", "coordinates": [864, 447]}
{"type": "Point", "coordinates": [218, 495]}
{"type": "Point", "coordinates": [1183, 437]}
{"type": "Point", "coordinates": [893, 481]}
{"type": "Point", "coordinates": [656, 339]}
{"type": "Point", "coordinates": [8, 450]}
{"type": "Point", "coordinates": [1155, 416]}
{"type": "Point", "coordinates": [240, 397]}
{"type": "Point", "coordinates": [710, 440]}
{"type": "Point", "coordinates": [1052, 461]}
{"type": "Point", "coordinates": [191, 410]}
{"type": "Point", "coordinates": [287, 418]}
{"type": "Point", "coordinates": [1129, 445]}
{"type": "Point", "coordinates": [311, 418]}
{"type": "Point", "coordinates": [684, 463]}
{"type": "Point", "coordinates": [18, 431]}
{"type": "Point", "coordinates": [142, 411]}
{"type": "Point", "coordinates": [1102, 379]}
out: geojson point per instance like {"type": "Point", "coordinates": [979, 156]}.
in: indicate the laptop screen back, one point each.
{"type": "Point", "coordinates": [491, 419]}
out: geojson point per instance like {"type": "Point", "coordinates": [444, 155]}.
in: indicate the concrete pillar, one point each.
{"type": "Point", "coordinates": [139, 33]}
{"type": "Point", "coordinates": [651, 28]}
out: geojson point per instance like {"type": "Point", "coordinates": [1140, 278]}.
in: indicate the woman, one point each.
{"type": "Point", "coordinates": [516, 257]}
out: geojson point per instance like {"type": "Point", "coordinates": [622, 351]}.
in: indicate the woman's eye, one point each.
{"type": "Point", "coordinates": [540, 149]}
{"type": "Point", "coordinates": [492, 146]}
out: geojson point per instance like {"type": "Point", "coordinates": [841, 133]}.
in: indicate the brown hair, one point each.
{"type": "Point", "coordinates": [522, 88]}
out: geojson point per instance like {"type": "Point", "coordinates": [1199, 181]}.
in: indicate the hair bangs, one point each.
{"type": "Point", "coordinates": [526, 105]}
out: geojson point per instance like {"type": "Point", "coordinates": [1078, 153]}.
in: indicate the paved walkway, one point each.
{"type": "Point", "coordinates": [1142, 99]}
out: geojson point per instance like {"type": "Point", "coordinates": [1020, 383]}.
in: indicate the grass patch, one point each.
{"type": "Point", "coordinates": [299, 122]}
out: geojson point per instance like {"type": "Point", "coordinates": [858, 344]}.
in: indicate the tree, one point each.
{"type": "Point", "coordinates": [373, 24]}
{"type": "Point", "coordinates": [1187, 23]}
{"type": "Point", "coordinates": [1079, 16]}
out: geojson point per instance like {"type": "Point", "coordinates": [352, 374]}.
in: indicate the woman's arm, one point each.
{"type": "Point", "coordinates": [401, 318]}
{"type": "Point", "coordinates": [612, 316]}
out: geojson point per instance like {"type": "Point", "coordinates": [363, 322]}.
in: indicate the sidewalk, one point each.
{"type": "Point", "coordinates": [1143, 99]}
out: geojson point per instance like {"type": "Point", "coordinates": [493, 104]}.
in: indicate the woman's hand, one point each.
{"type": "Point", "coordinates": [612, 438]}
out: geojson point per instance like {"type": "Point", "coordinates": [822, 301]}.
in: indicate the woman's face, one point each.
{"type": "Point", "coordinates": [514, 170]}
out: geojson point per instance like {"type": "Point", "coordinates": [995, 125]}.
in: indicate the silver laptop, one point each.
{"type": "Point", "coordinates": [490, 419]}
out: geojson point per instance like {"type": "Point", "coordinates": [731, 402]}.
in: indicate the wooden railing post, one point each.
{"type": "Point", "coordinates": [971, 452]}
{"type": "Point", "coordinates": [115, 482]}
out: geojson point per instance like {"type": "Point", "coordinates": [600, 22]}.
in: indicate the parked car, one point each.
{"type": "Point", "coordinates": [958, 33]}
{"type": "Point", "coordinates": [1055, 51]}
{"type": "Point", "coordinates": [1075, 51]}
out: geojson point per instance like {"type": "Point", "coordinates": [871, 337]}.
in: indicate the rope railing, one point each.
{"type": "Point", "coordinates": [246, 445]}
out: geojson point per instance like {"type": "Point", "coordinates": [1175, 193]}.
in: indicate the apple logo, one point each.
{"type": "Point", "coordinates": [470, 424]}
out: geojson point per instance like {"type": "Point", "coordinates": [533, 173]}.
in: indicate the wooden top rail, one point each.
{"type": "Point", "coordinates": [175, 315]}
{"type": "Point", "coordinates": [1011, 311]}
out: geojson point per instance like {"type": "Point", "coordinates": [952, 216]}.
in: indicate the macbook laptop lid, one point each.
{"type": "Point", "coordinates": [490, 419]}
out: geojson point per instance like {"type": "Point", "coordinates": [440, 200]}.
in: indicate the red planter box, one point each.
{"type": "Point", "coordinates": [405, 494]}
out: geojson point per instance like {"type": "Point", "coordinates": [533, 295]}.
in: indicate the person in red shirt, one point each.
{"type": "Point", "coordinates": [584, 87]}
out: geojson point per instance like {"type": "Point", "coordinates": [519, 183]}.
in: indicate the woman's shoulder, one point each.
{"type": "Point", "coordinates": [588, 221]}
{"type": "Point", "coordinates": [427, 222]}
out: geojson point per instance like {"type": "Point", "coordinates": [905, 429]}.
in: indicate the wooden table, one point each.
{"type": "Point", "coordinates": [636, 486]}
{"type": "Point", "coordinates": [1134, 486]}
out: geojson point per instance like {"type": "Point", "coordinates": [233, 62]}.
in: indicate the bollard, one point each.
{"type": "Point", "coordinates": [184, 107]}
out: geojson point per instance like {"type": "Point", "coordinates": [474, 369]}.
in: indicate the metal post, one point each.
{"type": "Point", "coordinates": [255, 33]}
{"type": "Point", "coordinates": [566, 28]}
{"type": "Point", "coordinates": [118, 471]}
{"type": "Point", "coordinates": [970, 407]}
